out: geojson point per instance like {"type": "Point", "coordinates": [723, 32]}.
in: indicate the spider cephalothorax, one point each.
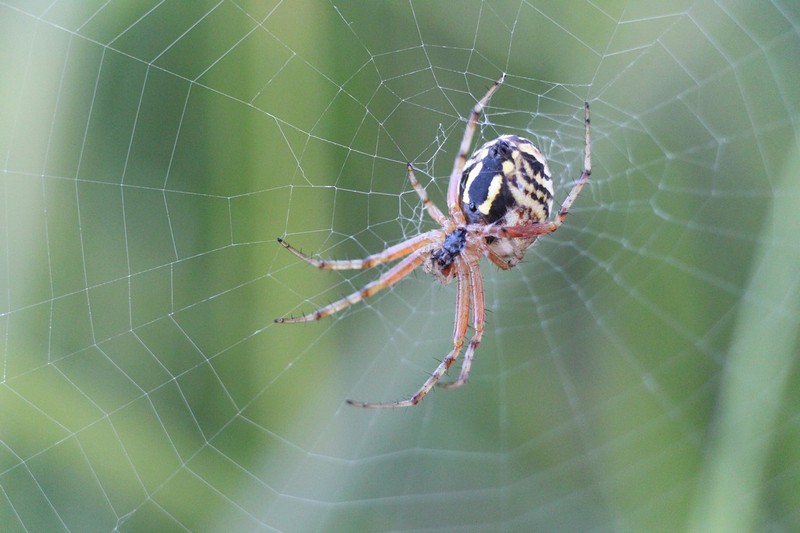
{"type": "Point", "coordinates": [442, 258]}
{"type": "Point", "coordinates": [499, 201]}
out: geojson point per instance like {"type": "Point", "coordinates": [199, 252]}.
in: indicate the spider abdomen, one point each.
{"type": "Point", "coordinates": [506, 182]}
{"type": "Point", "coordinates": [506, 177]}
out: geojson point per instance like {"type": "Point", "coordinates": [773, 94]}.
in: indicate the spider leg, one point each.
{"type": "Point", "coordinates": [435, 213]}
{"type": "Point", "coordinates": [539, 228]}
{"type": "Point", "coordinates": [478, 321]}
{"type": "Point", "coordinates": [390, 254]}
{"type": "Point", "coordinates": [459, 333]}
{"type": "Point", "coordinates": [562, 213]}
{"type": "Point", "coordinates": [389, 278]}
{"type": "Point", "coordinates": [587, 170]}
{"type": "Point", "coordinates": [521, 232]}
{"type": "Point", "coordinates": [463, 151]}
{"type": "Point", "coordinates": [501, 263]}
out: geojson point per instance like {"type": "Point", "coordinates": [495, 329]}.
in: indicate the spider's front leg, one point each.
{"type": "Point", "coordinates": [392, 276]}
{"type": "Point", "coordinates": [414, 246]}
{"type": "Point", "coordinates": [478, 323]}
{"type": "Point", "coordinates": [387, 256]}
{"type": "Point", "coordinates": [459, 334]}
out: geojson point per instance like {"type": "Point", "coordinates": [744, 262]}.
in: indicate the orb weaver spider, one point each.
{"type": "Point", "coordinates": [499, 201]}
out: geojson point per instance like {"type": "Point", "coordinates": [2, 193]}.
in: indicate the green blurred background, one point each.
{"type": "Point", "coordinates": [638, 371]}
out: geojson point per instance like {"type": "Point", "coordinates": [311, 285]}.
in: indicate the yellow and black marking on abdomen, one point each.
{"type": "Point", "coordinates": [506, 180]}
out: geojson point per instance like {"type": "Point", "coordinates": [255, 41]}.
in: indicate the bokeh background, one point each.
{"type": "Point", "coordinates": [638, 371]}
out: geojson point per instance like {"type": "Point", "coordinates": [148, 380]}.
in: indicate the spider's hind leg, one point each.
{"type": "Point", "coordinates": [466, 143]}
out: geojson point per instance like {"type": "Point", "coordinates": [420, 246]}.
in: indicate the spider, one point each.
{"type": "Point", "coordinates": [499, 203]}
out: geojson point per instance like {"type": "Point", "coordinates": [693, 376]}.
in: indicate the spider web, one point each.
{"type": "Point", "coordinates": [637, 372]}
